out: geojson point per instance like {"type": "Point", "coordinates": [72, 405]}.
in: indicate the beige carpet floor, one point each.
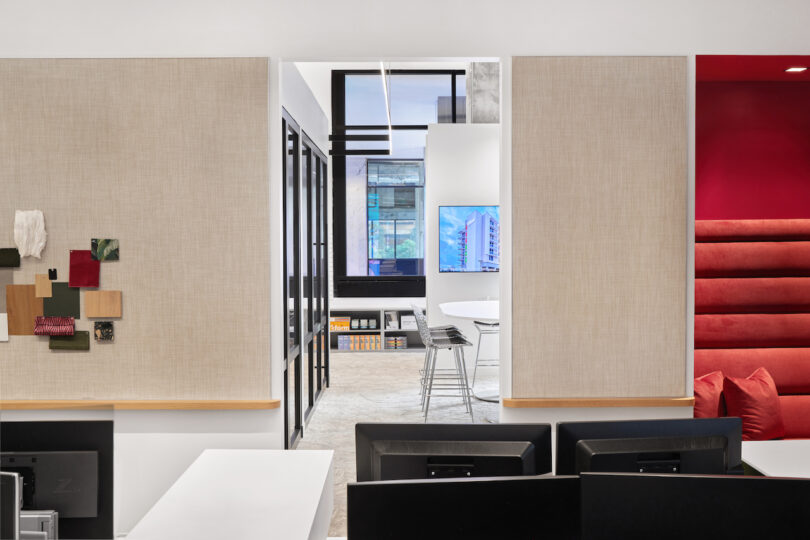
{"type": "Point", "coordinates": [380, 387]}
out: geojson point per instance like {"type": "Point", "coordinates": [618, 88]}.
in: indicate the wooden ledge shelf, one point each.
{"type": "Point", "coordinates": [138, 405]}
{"type": "Point", "coordinates": [550, 403]}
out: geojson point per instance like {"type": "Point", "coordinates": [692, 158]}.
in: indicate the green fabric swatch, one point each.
{"type": "Point", "coordinates": [64, 301]}
{"type": "Point", "coordinates": [80, 341]}
{"type": "Point", "coordinates": [9, 257]}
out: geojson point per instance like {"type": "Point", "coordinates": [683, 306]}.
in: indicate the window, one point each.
{"type": "Point", "coordinates": [379, 185]}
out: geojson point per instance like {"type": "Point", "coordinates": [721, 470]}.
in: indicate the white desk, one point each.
{"type": "Point", "coordinates": [246, 494]}
{"type": "Point", "coordinates": [778, 458]}
{"type": "Point", "coordinates": [488, 311]}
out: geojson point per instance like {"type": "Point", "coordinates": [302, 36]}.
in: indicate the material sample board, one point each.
{"type": "Point", "coordinates": [9, 257]}
{"type": "Point", "coordinates": [84, 270]}
{"type": "Point", "coordinates": [23, 309]}
{"type": "Point", "coordinates": [96, 144]}
{"type": "Point", "coordinates": [3, 327]}
{"type": "Point", "coordinates": [6, 278]}
{"type": "Point", "coordinates": [80, 341]}
{"type": "Point", "coordinates": [64, 301]}
{"type": "Point", "coordinates": [42, 286]}
{"type": "Point", "coordinates": [102, 303]}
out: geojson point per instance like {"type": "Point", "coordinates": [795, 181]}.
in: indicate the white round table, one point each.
{"type": "Point", "coordinates": [486, 311]}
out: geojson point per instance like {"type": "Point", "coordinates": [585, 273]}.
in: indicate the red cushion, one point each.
{"type": "Point", "coordinates": [761, 330]}
{"type": "Point", "coordinates": [755, 400]}
{"type": "Point", "coordinates": [789, 367]}
{"type": "Point", "coordinates": [752, 259]}
{"type": "Point", "coordinates": [796, 416]}
{"type": "Point", "coordinates": [752, 295]}
{"type": "Point", "coordinates": [709, 395]}
{"type": "Point", "coordinates": [751, 230]}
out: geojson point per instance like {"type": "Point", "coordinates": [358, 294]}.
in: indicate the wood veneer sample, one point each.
{"type": "Point", "coordinates": [102, 303]}
{"type": "Point", "coordinates": [23, 308]}
{"type": "Point", "coordinates": [42, 286]}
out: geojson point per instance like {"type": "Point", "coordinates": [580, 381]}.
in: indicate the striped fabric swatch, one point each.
{"type": "Point", "coordinates": [54, 326]}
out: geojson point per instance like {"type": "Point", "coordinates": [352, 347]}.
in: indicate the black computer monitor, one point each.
{"type": "Point", "coordinates": [9, 506]}
{"type": "Point", "coordinates": [514, 508]}
{"type": "Point", "coordinates": [430, 451]}
{"type": "Point", "coordinates": [72, 474]}
{"type": "Point", "coordinates": [570, 433]}
{"type": "Point", "coordinates": [675, 506]}
{"type": "Point", "coordinates": [671, 455]}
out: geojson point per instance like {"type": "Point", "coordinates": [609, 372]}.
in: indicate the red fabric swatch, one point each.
{"type": "Point", "coordinates": [754, 399]}
{"type": "Point", "coordinates": [709, 396]}
{"type": "Point", "coordinates": [54, 326]}
{"type": "Point", "coordinates": [84, 270]}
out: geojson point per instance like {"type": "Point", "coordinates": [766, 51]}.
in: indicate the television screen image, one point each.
{"type": "Point", "coordinates": [469, 239]}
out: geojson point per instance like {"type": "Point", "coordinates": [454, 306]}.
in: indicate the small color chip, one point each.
{"type": "Point", "coordinates": [9, 257]}
{"type": "Point", "coordinates": [104, 331]}
{"type": "Point", "coordinates": [52, 274]}
{"type": "Point", "coordinates": [104, 249]}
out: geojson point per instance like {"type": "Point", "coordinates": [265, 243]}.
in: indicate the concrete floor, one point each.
{"type": "Point", "coordinates": [380, 387]}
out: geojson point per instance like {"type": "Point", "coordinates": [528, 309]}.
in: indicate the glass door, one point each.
{"type": "Point", "coordinates": [292, 276]}
{"type": "Point", "coordinates": [306, 304]}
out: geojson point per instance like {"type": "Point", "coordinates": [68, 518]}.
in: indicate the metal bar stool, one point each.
{"type": "Point", "coordinates": [435, 332]}
{"type": "Point", "coordinates": [484, 329]}
{"type": "Point", "coordinates": [453, 378]}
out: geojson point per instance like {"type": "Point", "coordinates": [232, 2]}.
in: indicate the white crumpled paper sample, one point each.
{"type": "Point", "coordinates": [29, 232]}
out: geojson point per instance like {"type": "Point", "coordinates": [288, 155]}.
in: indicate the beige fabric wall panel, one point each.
{"type": "Point", "coordinates": [170, 156]}
{"type": "Point", "coordinates": [599, 165]}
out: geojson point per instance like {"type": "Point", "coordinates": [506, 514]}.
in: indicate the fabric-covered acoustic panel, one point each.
{"type": "Point", "coordinates": [170, 157]}
{"type": "Point", "coordinates": [752, 230]}
{"type": "Point", "coordinates": [789, 367]}
{"type": "Point", "coordinates": [752, 259]}
{"type": "Point", "coordinates": [598, 199]}
{"type": "Point", "coordinates": [752, 295]}
{"type": "Point", "coordinates": [796, 416]}
{"type": "Point", "coordinates": [760, 330]}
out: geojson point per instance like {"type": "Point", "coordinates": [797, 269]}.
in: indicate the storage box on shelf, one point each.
{"type": "Point", "coordinates": [366, 330]}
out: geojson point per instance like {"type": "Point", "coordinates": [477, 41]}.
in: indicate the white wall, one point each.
{"type": "Point", "coordinates": [462, 168]}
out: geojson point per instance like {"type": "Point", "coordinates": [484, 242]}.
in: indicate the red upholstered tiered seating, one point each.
{"type": "Point", "coordinates": [752, 307]}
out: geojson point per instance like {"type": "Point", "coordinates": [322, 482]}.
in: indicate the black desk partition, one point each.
{"type": "Point", "coordinates": [513, 508]}
{"type": "Point", "coordinates": [640, 506]}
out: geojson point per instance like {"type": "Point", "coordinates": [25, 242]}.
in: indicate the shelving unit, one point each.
{"type": "Point", "coordinates": [414, 342]}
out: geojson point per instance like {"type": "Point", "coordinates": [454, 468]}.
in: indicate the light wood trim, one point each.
{"type": "Point", "coordinates": [542, 403]}
{"type": "Point", "coordinates": [132, 405]}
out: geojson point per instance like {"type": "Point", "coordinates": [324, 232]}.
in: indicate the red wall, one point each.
{"type": "Point", "coordinates": [752, 150]}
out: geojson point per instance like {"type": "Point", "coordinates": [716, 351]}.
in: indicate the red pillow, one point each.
{"type": "Point", "coordinates": [755, 400]}
{"type": "Point", "coordinates": [709, 395]}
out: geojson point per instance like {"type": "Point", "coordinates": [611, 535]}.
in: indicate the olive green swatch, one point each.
{"type": "Point", "coordinates": [79, 341]}
{"type": "Point", "coordinates": [9, 257]}
{"type": "Point", "coordinates": [6, 278]}
{"type": "Point", "coordinates": [64, 301]}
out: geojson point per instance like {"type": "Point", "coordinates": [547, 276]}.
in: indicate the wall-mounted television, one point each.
{"type": "Point", "coordinates": [469, 239]}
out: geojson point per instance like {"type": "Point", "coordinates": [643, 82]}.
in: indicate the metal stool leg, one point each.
{"type": "Point", "coordinates": [430, 386]}
{"type": "Point", "coordinates": [465, 381]}
{"type": "Point", "coordinates": [477, 354]}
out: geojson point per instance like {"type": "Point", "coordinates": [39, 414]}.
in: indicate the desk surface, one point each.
{"type": "Point", "coordinates": [778, 458]}
{"type": "Point", "coordinates": [245, 494]}
{"type": "Point", "coordinates": [477, 310]}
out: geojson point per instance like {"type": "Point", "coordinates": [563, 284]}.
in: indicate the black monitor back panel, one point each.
{"type": "Point", "coordinates": [688, 506]}
{"type": "Point", "coordinates": [94, 436]}
{"type": "Point", "coordinates": [516, 508]}
{"type": "Point", "coordinates": [569, 433]}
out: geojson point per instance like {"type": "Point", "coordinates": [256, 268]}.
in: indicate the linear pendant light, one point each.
{"type": "Point", "coordinates": [387, 108]}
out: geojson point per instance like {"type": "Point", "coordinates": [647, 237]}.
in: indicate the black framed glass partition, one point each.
{"type": "Point", "coordinates": [378, 174]}
{"type": "Point", "coordinates": [306, 300]}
